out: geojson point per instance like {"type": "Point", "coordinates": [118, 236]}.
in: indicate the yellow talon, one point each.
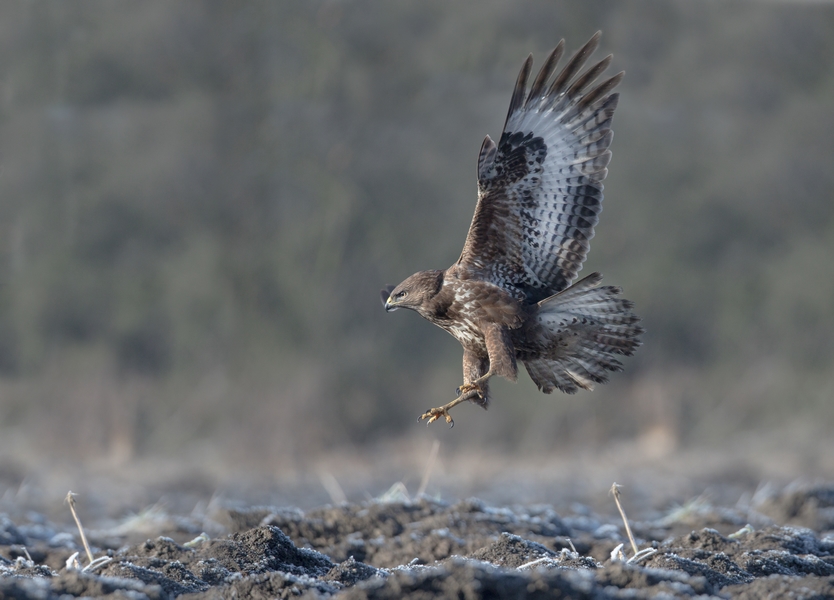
{"type": "Point", "coordinates": [466, 391]}
{"type": "Point", "coordinates": [469, 387]}
{"type": "Point", "coordinates": [433, 414]}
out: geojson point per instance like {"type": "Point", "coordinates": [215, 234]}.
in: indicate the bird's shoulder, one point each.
{"type": "Point", "coordinates": [479, 299]}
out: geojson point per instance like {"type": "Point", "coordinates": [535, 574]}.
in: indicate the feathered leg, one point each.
{"type": "Point", "coordinates": [477, 371]}
{"type": "Point", "coordinates": [501, 361]}
{"type": "Point", "coordinates": [474, 368]}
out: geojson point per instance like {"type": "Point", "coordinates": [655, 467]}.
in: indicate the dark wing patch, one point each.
{"type": "Point", "coordinates": [540, 190]}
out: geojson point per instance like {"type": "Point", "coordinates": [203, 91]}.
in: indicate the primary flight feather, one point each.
{"type": "Point", "coordinates": [509, 296]}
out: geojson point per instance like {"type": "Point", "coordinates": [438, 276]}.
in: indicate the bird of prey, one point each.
{"type": "Point", "coordinates": [509, 296]}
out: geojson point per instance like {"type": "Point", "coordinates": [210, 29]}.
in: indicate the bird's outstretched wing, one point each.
{"type": "Point", "coordinates": [540, 188]}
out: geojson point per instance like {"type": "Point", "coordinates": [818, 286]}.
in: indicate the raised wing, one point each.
{"type": "Point", "coordinates": [540, 188]}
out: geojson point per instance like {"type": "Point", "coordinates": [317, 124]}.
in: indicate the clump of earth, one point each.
{"type": "Point", "coordinates": [783, 546]}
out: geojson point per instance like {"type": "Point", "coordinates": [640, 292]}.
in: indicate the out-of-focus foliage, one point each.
{"type": "Point", "coordinates": [199, 202]}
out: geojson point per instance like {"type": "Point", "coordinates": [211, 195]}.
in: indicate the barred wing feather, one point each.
{"type": "Point", "coordinates": [540, 188]}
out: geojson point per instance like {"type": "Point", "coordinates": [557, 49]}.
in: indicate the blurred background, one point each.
{"type": "Point", "coordinates": [199, 203]}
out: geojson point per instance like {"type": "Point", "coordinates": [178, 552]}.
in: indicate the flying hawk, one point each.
{"type": "Point", "coordinates": [509, 296]}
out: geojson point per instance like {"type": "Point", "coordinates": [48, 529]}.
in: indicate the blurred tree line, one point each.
{"type": "Point", "coordinates": [199, 202]}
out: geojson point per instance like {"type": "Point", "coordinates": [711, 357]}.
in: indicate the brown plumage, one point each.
{"type": "Point", "coordinates": [509, 296]}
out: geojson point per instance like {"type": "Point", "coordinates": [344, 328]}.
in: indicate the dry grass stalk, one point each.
{"type": "Point", "coordinates": [334, 490]}
{"type": "Point", "coordinates": [533, 563]}
{"type": "Point", "coordinates": [70, 499]}
{"type": "Point", "coordinates": [424, 483]}
{"type": "Point", "coordinates": [615, 490]}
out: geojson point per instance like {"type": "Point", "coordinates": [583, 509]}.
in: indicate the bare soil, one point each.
{"type": "Point", "coordinates": [781, 545]}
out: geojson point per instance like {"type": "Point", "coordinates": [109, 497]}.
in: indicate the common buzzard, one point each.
{"type": "Point", "coordinates": [509, 296]}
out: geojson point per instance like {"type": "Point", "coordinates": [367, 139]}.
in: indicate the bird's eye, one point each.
{"type": "Point", "coordinates": [401, 295]}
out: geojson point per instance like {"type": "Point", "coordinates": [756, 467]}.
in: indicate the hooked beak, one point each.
{"type": "Point", "coordinates": [387, 302]}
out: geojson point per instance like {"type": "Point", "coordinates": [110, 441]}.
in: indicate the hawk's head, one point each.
{"type": "Point", "coordinates": [414, 293]}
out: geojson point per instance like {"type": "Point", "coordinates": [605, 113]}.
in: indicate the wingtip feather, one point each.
{"type": "Point", "coordinates": [547, 69]}
{"type": "Point", "coordinates": [520, 89]}
{"type": "Point", "coordinates": [574, 65]}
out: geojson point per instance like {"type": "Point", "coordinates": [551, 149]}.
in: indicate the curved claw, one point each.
{"type": "Point", "coordinates": [433, 414]}
{"type": "Point", "coordinates": [467, 388]}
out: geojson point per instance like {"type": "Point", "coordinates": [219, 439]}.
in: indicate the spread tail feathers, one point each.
{"type": "Point", "coordinates": [579, 332]}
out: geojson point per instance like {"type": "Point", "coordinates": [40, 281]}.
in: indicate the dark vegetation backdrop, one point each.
{"type": "Point", "coordinates": [200, 201]}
